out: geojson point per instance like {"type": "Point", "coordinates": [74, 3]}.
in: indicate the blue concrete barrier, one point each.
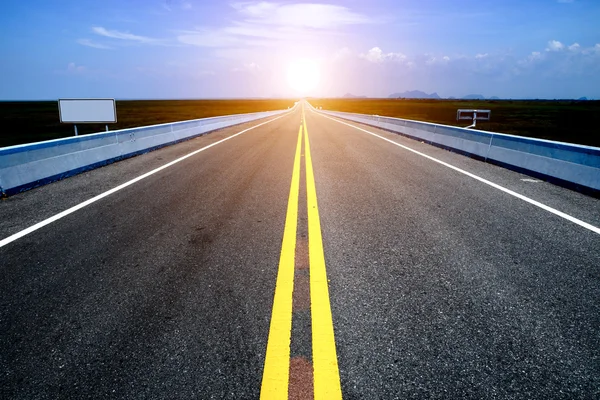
{"type": "Point", "coordinates": [572, 164]}
{"type": "Point", "coordinates": [23, 167]}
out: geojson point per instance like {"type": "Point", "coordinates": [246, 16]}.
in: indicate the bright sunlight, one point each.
{"type": "Point", "coordinates": [303, 75]}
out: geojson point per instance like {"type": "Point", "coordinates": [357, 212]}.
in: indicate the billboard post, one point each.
{"type": "Point", "coordinates": [87, 111]}
{"type": "Point", "coordinates": [474, 115]}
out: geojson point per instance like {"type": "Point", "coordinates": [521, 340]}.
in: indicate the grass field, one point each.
{"type": "Point", "coordinates": [565, 121]}
{"type": "Point", "coordinates": [34, 121]}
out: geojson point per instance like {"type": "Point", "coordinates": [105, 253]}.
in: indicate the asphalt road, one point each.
{"type": "Point", "coordinates": [440, 286]}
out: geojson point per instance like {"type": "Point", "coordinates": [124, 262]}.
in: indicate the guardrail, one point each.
{"type": "Point", "coordinates": [26, 166]}
{"type": "Point", "coordinates": [565, 163]}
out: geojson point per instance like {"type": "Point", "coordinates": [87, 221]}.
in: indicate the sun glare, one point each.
{"type": "Point", "coordinates": [303, 76]}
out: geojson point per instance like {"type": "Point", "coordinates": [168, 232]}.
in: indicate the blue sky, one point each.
{"type": "Point", "coordinates": [221, 49]}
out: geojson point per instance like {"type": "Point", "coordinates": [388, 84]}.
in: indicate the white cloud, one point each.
{"type": "Point", "coordinates": [560, 61]}
{"type": "Point", "coordinates": [267, 24]}
{"type": "Point", "coordinates": [531, 59]}
{"type": "Point", "coordinates": [251, 67]}
{"type": "Point", "coordinates": [236, 53]}
{"type": "Point", "coordinates": [311, 15]}
{"type": "Point", "coordinates": [376, 55]}
{"type": "Point", "coordinates": [536, 55]}
{"type": "Point", "coordinates": [557, 60]}
{"type": "Point", "coordinates": [501, 73]}
{"type": "Point", "coordinates": [176, 69]}
{"type": "Point", "coordinates": [169, 5]}
{"type": "Point", "coordinates": [113, 34]}
{"type": "Point", "coordinates": [433, 60]}
{"type": "Point", "coordinates": [75, 69]}
{"type": "Point", "coordinates": [245, 29]}
{"type": "Point", "coordinates": [207, 38]}
{"type": "Point", "coordinates": [255, 8]}
{"type": "Point", "coordinates": [90, 43]}
{"type": "Point", "coordinates": [555, 45]}
{"type": "Point", "coordinates": [342, 53]}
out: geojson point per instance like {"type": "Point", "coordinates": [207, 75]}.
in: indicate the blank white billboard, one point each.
{"type": "Point", "coordinates": [87, 110]}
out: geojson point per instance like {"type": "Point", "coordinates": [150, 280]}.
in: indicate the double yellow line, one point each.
{"type": "Point", "coordinates": [277, 360]}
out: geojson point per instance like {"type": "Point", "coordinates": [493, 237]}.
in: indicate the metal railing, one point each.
{"type": "Point", "coordinates": [25, 166]}
{"type": "Point", "coordinates": [569, 163]}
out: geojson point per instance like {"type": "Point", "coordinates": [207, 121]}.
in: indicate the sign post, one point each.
{"type": "Point", "coordinates": [474, 115]}
{"type": "Point", "coordinates": [87, 111]}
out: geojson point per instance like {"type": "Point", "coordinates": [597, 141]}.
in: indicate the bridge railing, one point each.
{"type": "Point", "coordinates": [23, 167]}
{"type": "Point", "coordinates": [571, 164]}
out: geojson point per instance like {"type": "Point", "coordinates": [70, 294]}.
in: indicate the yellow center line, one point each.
{"type": "Point", "coordinates": [275, 379]}
{"type": "Point", "coordinates": [325, 366]}
{"type": "Point", "coordinates": [326, 374]}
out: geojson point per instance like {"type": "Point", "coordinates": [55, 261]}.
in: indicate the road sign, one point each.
{"type": "Point", "coordinates": [87, 111]}
{"type": "Point", "coordinates": [473, 115]}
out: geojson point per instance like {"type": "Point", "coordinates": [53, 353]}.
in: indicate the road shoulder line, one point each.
{"type": "Point", "coordinates": [536, 203]}
{"type": "Point", "coordinates": [94, 199]}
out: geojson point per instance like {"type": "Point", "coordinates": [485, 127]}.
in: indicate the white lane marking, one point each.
{"type": "Point", "coordinates": [530, 180]}
{"type": "Point", "coordinates": [492, 184]}
{"type": "Point", "coordinates": [79, 206]}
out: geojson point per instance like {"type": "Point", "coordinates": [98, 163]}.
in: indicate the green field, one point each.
{"type": "Point", "coordinates": [561, 120]}
{"type": "Point", "coordinates": [34, 121]}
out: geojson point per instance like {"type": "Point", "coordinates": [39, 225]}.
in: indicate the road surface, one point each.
{"type": "Point", "coordinates": [427, 279]}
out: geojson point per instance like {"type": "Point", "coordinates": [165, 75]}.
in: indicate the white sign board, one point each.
{"type": "Point", "coordinates": [476, 115]}
{"type": "Point", "coordinates": [81, 111]}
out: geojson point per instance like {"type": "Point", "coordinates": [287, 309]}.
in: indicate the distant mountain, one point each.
{"type": "Point", "coordinates": [351, 96]}
{"type": "Point", "coordinates": [414, 94]}
{"type": "Point", "coordinates": [582, 98]}
{"type": "Point", "coordinates": [494, 98]}
{"type": "Point", "coordinates": [474, 97]}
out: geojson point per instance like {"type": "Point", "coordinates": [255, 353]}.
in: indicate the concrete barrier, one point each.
{"type": "Point", "coordinates": [23, 167]}
{"type": "Point", "coordinates": [565, 163]}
